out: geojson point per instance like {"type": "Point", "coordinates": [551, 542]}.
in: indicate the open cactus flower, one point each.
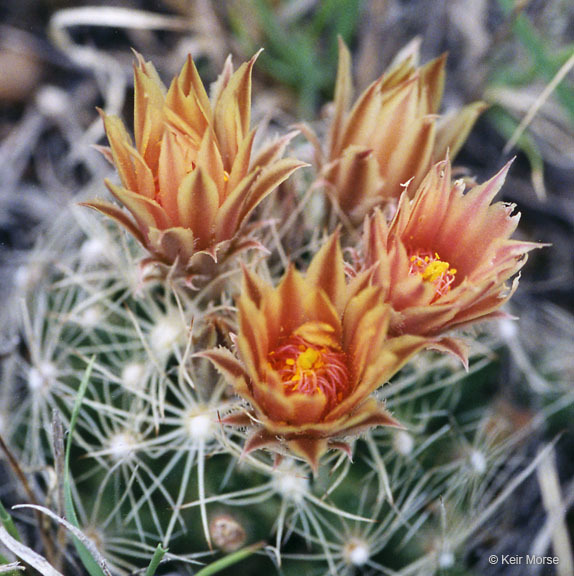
{"type": "Point", "coordinates": [446, 259]}
{"type": "Point", "coordinates": [311, 351]}
{"type": "Point", "coordinates": [392, 133]}
{"type": "Point", "coordinates": [190, 180]}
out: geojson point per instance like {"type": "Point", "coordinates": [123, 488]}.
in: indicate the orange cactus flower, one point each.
{"type": "Point", "coordinates": [311, 352]}
{"type": "Point", "coordinates": [189, 180]}
{"type": "Point", "coordinates": [446, 257]}
{"type": "Point", "coordinates": [391, 135]}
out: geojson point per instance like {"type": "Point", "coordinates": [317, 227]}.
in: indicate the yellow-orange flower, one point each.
{"type": "Point", "coordinates": [446, 257]}
{"type": "Point", "coordinates": [311, 352]}
{"type": "Point", "coordinates": [189, 179]}
{"type": "Point", "coordinates": [391, 135]}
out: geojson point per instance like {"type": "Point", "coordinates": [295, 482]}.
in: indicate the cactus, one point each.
{"type": "Point", "coordinates": [173, 439]}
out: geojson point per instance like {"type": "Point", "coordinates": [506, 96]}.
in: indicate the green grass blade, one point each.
{"type": "Point", "coordinates": [545, 61]}
{"type": "Point", "coordinates": [507, 125]}
{"type": "Point", "coordinates": [8, 523]}
{"type": "Point", "coordinates": [230, 560]}
{"type": "Point", "coordinates": [87, 559]}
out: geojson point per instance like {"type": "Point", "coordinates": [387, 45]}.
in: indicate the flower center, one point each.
{"type": "Point", "coordinates": [434, 270]}
{"type": "Point", "coordinates": [310, 369]}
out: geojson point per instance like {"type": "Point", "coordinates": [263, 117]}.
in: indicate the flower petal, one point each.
{"type": "Point", "coordinates": [117, 214]}
{"type": "Point", "coordinates": [270, 177]}
{"type": "Point", "coordinates": [309, 449]}
{"type": "Point", "coordinates": [432, 78]}
{"type": "Point", "coordinates": [172, 167]}
{"type": "Point", "coordinates": [228, 215]}
{"type": "Point", "coordinates": [209, 159]}
{"type": "Point", "coordinates": [343, 94]}
{"type": "Point", "coordinates": [120, 147]}
{"type": "Point", "coordinates": [232, 112]}
{"type": "Point", "coordinates": [172, 245]}
{"type": "Point", "coordinates": [148, 213]}
{"type": "Point", "coordinates": [253, 340]}
{"type": "Point", "coordinates": [197, 204]}
{"type": "Point", "coordinates": [454, 128]}
{"type": "Point", "coordinates": [273, 151]}
{"type": "Point", "coordinates": [254, 288]}
{"type": "Point", "coordinates": [149, 97]}
{"type": "Point", "coordinates": [327, 272]}
{"type": "Point", "coordinates": [241, 162]}
{"type": "Point", "coordinates": [226, 363]}
{"type": "Point", "coordinates": [354, 181]}
{"type": "Point", "coordinates": [187, 104]}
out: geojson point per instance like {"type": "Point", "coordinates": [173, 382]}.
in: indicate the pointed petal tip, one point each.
{"type": "Point", "coordinates": [310, 450]}
{"type": "Point", "coordinates": [258, 439]}
{"type": "Point", "coordinates": [344, 447]}
{"type": "Point", "coordinates": [211, 252]}
{"type": "Point", "coordinates": [457, 347]}
{"type": "Point", "coordinates": [257, 54]}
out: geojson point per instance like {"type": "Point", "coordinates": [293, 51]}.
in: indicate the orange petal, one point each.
{"type": "Point", "coordinates": [420, 223]}
{"type": "Point", "coordinates": [187, 103]}
{"type": "Point", "coordinates": [241, 163]}
{"type": "Point", "coordinates": [148, 213]}
{"type": "Point", "coordinates": [209, 159]}
{"type": "Point", "coordinates": [368, 415]}
{"type": "Point", "coordinates": [317, 307]}
{"type": "Point", "coordinates": [454, 128]}
{"type": "Point", "coordinates": [149, 96]}
{"type": "Point", "coordinates": [367, 299]}
{"type": "Point", "coordinates": [309, 449]}
{"type": "Point", "coordinates": [226, 363]}
{"type": "Point", "coordinates": [197, 205]}
{"type": "Point", "coordinates": [258, 439]}
{"type": "Point", "coordinates": [222, 80]}
{"type": "Point", "coordinates": [432, 78]}
{"type": "Point", "coordinates": [343, 95]}
{"type": "Point", "coordinates": [411, 158]}
{"type": "Point", "coordinates": [395, 353]}
{"type": "Point", "coordinates": [456, 346]}
{"type": "Point", "coordinates": [172, 245]}
{"type": "Point", "coordinates": [116, 213]}
{"type": "Point", "coordinates": [398, 112]}
{"type": "Point", "coordinates": [269, 179]}
{"type": "Point", "coordinates": [361, 120]}
{"type": "Point", "coordinates": [273, 151]}
{"type": "Point", "coordinates": [288, 301]}
{"type": "Point", "coordinates": [356, 181]}
{"type": "Point", "coordinates": [232, 112]}
{"type": "Point", "coordinates": [293, 409]}
{"type": "Point", "coordinates": [317, 333]}
{"type": "Point", "coordinates": [134, 173]}
{"type": "Point", "coordinates": [227, 221]}
{"type": "Point", "coordinates": [120, 146]}
{"type": "Point", "coordinates": [253, 287]}
{"type": "Point", "coordinates": [327, 272]}
{"type": "Point", "coordinates": [369, 338]}
{"type": "Point", "coordinates": [253, 341]}
{"type": "Point", "coordinates": [171, 170]}
{"type": "Point", "coordinates": [423, 319]}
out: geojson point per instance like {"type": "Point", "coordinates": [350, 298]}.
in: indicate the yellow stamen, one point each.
{"type": "Point", "coordinates": [308, 369]}
{"type": "Point", "coordinates": [307, 359]}
{"type": "Point", "coordinates": [434, 270]}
